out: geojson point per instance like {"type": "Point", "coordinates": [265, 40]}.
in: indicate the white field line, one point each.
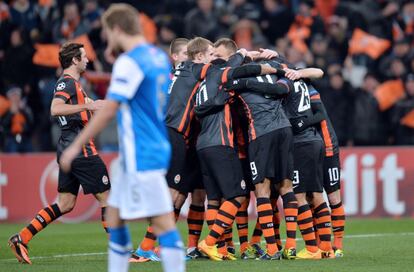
{"type": "Point", "coordinates": [351, 236]}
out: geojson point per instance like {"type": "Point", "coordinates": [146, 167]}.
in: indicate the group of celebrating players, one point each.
{"type": "Point", "coordinates": [238, 122]}
{"type": "Point", "coordinates": [242, 121]}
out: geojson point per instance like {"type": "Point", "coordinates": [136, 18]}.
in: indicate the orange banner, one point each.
{"type": "Point", "coordinates": [388, 93]}
{"type": "Point", "coordinates": [364, 43]}
{"type": "Point", "coordinates": [48, 54]}
{"type": "Point", "coordinates": [408, 119]}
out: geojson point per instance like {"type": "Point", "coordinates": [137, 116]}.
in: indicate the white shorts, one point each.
{"type": "Point", "coordinates": [141, 194]}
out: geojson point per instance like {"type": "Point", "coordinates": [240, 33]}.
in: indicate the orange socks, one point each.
{"type": "Point", "coordinates": [265, 215]}
{"type": "Point", "coordinates": [43, 218]}
{"type": "Point", "coordinates": [305, 223]}
{"type": "Point", "coordinates": [195, 222]}
{"type": "Point", "coordinates": [338, 224]}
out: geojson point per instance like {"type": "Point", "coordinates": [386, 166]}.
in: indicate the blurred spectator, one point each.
{"type": "Point", "coordinates": [203, 21]}
{"type": "Point", "coordinates": [275, 19]}
{"type": "Point", "coordinates": [337, 38]}
{"type": "Point", "coordinates": [23, 13]}
{"type": "Point", "coordinates": [306, 22]}
{"type": "Point", "coordinates": [71, 25]}
{"type": "Point", "coordinates": [236, 10]}
{"type": "Point", "coordinates": [402, 124]}
{"type": "Point", "coordinates": [48, 15]}
{"type": "Point", "coordinates": [17, 68]}
{"type": "Point", "coordinates": [369, 123]}
{"type": "Point", "coordinates": [337, 97]}
{"type": "Point", "coordinates": [17, 123]}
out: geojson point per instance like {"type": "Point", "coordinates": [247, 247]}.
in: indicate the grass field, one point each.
{"type": "Point", "coordinates": [370, 245]}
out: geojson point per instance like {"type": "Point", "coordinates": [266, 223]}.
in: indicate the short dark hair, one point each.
{"type": "Point", "coordinates": [176, 45]}
{"type": "Point", "coordinates": [229, 44]}
{"type": "Point", "coordinates": [67, 52]}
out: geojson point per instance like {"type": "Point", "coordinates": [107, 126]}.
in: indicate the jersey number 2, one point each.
{"type": "Point", "coordinates": [304, 103]}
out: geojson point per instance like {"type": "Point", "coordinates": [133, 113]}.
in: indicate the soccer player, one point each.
{"type": "Point", "coordinates": [220, 165]}
{"type": "Point", "coordinates": [137, 95]}
{"type": "Point", "coordinates": [270, 157]}
{"type": "Point", "coordinates": [72, 109]}
{"type": "Point", "coordinates": [331, 163]}
{"type": "Point", "coordinates": [307, 169]}
{"type": "Point", "coordinates": [184, 174]}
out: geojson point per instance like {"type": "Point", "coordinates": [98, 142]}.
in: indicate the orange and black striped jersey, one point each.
{"type": "Point", "coordinates": [70, 90]}
{"type": "Point", "coordinates": [212, 105]}
{"type": "Point", "coordinates": [326, 129]}
{"type": "Point", "coordinates": [182, 90]}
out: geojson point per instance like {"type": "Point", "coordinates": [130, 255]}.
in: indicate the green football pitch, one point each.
{"type": "Point", "coordinates": [370, 245]}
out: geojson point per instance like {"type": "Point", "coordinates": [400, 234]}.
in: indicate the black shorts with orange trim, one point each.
{"type": "Point", "coordinates": [332, 173]}
{"type": "Point", "coordinates": [222, 173]}
{"type": "Point", "coordinates": [271, 156]}
{"type": "Point", "coordinates": [89, 172]}
{"type": "Point", "coordinates": [308, 167]}
{"type": "Point", "coordinates": [184, 174]}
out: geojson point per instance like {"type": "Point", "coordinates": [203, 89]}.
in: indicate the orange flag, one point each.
{"type": "Point", "coordinates": [388, 93]}
{"type": "Point", "coordinates": [4, 105]}
{"type": "Point", "coordinates": [48, 54]}
{"type": "Point", "coordinates": [364, 43]}
{"type": "Point", "coordinates": [408, 119]}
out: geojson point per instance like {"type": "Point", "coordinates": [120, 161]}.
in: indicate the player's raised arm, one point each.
{"type": "Point", "coordinates": [310, 73]}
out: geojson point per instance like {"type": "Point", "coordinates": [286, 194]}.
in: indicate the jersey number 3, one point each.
{"type": "Point", "coordinates": [304, 103]}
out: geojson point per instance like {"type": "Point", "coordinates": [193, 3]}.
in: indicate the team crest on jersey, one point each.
{"type": "Point", "coordinates": [105, 180]}
{"type": "Point", "coordinates": [243, 184]}
{"type": "Point", "coordinates": [61, 86]}
{"type": "Point", "coordinates": [177, 179]}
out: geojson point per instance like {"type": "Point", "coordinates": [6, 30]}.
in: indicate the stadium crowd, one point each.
{"type": "Point", "coordinates": [365, 48]}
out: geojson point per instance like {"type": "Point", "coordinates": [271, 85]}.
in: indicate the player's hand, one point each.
{"type": "Point", "coordinates": [242, 51]}
{"type": "Point", "coordinates": [268, 54]}
{"type": "Point", "coordinates": [67, 158]}
{"type": "Point", "coordinates": [292, 74]}
{"type": "Point", "coordinates": [253, 54]}
{"type": "Point", "coordinates": [95, 105]}
{"type": "Point", "coordinates": [267, 69]}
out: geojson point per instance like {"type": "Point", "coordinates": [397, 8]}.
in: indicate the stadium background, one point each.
{"type": "Point", "coordinates": [365, 48]}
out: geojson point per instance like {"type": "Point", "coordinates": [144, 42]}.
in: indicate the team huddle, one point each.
{"type": "Point", "coordinates": [237, 121]}
{"type": "Point", "coordinates": [252, 129]}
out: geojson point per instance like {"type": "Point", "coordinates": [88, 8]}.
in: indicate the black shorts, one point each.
{"type": "Point", "coordinates": [90, 173]}
{"type": "Point", "coordinates": [271, 156]}
{"type": "Point", "coordinates": [308, 166]}
{"type": "Point", "coordinates": [331, 174]}
{"type": "Point", "coordinates": [247, 175]}
{"type": "Point", "coordinates": [184, 174]}
{"type": "Point", "coordinates": [222, 173]}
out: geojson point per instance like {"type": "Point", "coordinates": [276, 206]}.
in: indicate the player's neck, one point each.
{"type": "Point", "coordinates": [71, 71]}
{"type": "Point", "coordinates": [130, 42]}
